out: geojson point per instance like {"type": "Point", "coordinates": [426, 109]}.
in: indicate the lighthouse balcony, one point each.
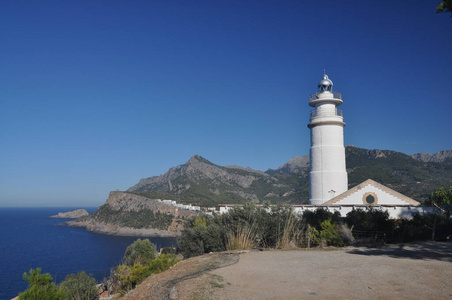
{"type": "Point", "coordinates": [316, 114]}
{"type": "Point", "coordinates": [331, 97]}
{"type": "Point", "coordinates": [316, 96]}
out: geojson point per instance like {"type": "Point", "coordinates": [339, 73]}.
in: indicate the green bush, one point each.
{"type": "Point", "coordinates": [422, 228]}
{"type": "Point", "coordinates": [162, 263]}
{"type": "Point", "coordinates": [130, 276]}
{"type": "Point", "coordinates": [315, 218]}
{"type": "Point", "coordinates": [80, 286]}
{"type": "Point", "coordinates": [139, 252]}
{"type": "Point", "coordinates": [330, 234]}
{"type": "Point", "coordinates": [198, 240]}
{"type": "Point", "coordinates": [370, 220]}
{"type": "Point", "coordinates": [240, 228]}
{"type": "Point", "coordinates": [140, 261]}
{"type": "Point", "coordinates": [41, 287]}
{"type": "Point", "coordinates": [168, 250]}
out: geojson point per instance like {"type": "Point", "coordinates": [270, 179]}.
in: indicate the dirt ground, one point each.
{"type": "Point", "coordinates": [410, 271]}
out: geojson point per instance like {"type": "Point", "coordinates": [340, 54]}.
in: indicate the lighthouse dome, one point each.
{"type": "Point", "coordinates": [325, 85]}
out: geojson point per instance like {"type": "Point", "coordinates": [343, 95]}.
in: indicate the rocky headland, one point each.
{"type": "Point", "coordinates": [140, 212]}
{"type": "Point", "coordinates": [129, 214]}
{"type": "Point", "coordinates": [73, 214]}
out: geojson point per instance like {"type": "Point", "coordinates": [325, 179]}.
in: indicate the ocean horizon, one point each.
{"type": "Point", "coordinates": [29, 239]}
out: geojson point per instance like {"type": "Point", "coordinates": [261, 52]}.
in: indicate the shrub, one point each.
{"type": "Point", "coordinates": [129, 277]}
{"type": "Point", "coordinates": [241, 228]}
{"type": "Point", "coordinates": [80, 286]}
{"type": "Point", "coordinates": [315, 218]}
{"type": "Point", "coordinates": [168, 250]}
{"type": "Point", "coordinates": [200, 221]}
{"type": "Point", "coordinates": [198, 240]}
{"type": "Point", "coordinates": [162, 263]}
{"type": "Point", "coordinates": [330, 234]}
{"type": "Point", "coordinates": [139, 252]}
{"type": "Point", "coordinates": [370, 220]}
{"type": "Point", "coordinates": [145, 262]}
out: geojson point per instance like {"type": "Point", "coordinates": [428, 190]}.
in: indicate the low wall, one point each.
{"type": "Point", "coordinates": [395, 211]}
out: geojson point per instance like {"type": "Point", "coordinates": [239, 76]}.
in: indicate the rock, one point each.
{"type": "Point", "coordinates": [173, 293]}
{"type": "Point", "coordinates": [444, 156]}
{"type": "Point", "coordinates": [73, 214]}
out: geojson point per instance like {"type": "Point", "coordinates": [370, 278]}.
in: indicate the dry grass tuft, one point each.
{"type": "Point", "coordinates": [242, 238]}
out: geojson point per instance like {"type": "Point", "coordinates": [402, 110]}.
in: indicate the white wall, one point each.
{"type": "Point", "coordinates": [395, 212]}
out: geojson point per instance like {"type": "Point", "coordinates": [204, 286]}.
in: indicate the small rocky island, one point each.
{"type": "Point", "coordinates": [73, 214]}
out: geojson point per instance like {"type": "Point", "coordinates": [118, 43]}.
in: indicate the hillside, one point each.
{"type": "Point", "coordinates": [401, 172]}
{"type": "Point", "coordinates": [201, 182]}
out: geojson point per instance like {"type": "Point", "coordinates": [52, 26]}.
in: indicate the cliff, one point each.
{"type": "Point", "coordinates": [134, 215]}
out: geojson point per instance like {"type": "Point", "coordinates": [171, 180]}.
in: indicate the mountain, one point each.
{"type": "Point", "coordinates": [201, 182]}
{"type": "Point", "coordinates": [401, 172]}
{"type": "Point", "coordinates": [444, 156]}
{"type": "Point", "coordinates": [295, 165]}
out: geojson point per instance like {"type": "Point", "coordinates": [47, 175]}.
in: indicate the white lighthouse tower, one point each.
{"type": "Point", "coordinates": [328, 175]}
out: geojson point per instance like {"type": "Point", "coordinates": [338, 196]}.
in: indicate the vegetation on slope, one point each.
{"type": "Point", "coordinates": [144, 218]}
{"type": "Point", "coordinates": [398, 171]}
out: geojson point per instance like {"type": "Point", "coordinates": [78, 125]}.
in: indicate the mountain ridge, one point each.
{"type": "Point", "coordinates": [202, 182]}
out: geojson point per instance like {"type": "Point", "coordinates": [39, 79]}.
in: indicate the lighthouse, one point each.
{"type": "Point", "coordinates": [328, 175]}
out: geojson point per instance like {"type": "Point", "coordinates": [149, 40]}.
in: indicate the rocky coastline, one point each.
{"type": "Point", "coordinates": [112, 229]}
{"type": "Point", "coordinates": [73, 214]}
{"type": "Point", "coordinates": [113, 217]}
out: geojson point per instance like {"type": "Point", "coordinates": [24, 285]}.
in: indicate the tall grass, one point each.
{"type": "Point", "coordinates": [291, 233]}
{"type": "Point", "coordinates": [243, 237]}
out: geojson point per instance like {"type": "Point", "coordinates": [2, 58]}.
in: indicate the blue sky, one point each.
{"type": "Point", "coordinates": [95, 95]}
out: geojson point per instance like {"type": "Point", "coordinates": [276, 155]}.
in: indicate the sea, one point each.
{"type": "Point", "coordinates": [30, 239]}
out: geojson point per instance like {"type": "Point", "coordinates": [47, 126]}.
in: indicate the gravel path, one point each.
{"type": "Point", "coordinates": [416, 271]}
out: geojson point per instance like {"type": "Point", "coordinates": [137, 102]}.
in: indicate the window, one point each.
{"type": "Point", "coordinates": [370, 198]}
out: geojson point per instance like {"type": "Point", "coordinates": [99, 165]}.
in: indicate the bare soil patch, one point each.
{"type": "Point", "coordinates": [410, 271]}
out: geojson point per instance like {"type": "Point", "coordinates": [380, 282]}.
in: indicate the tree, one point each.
{"type": "Point", "coordinates": [80, 286]}
{"type": "Point", "coordinates": [41, 287]}
{"type": "Point", "coordinates": [445, 6]}
{"type": "Point", "coordinates": [139, 252]}
{"type": "Point", "coordinates": [442, 199]}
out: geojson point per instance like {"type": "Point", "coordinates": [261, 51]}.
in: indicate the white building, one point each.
{"type": "Point", "coordinates": [328, 182]}
{"type": "Point", "coordinates": [328, 175]}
